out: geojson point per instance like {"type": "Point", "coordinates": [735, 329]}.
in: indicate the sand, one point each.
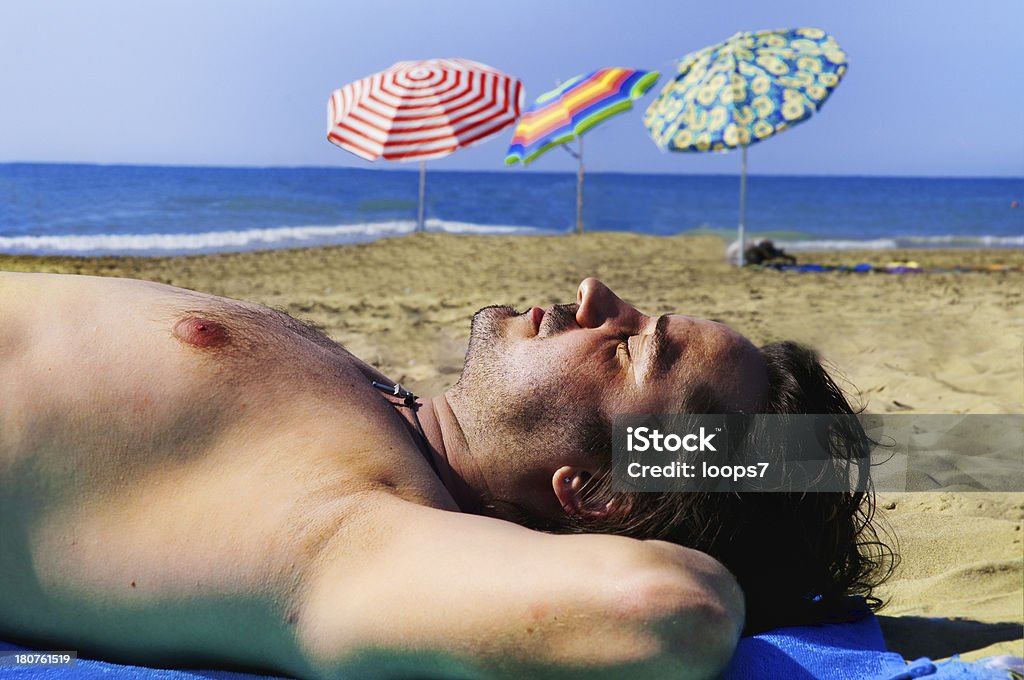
{"type": "Point", "coordinates": [922, 343]}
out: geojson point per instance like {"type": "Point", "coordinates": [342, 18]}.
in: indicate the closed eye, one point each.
{"type": "Point", "coordinates": [623, 348]}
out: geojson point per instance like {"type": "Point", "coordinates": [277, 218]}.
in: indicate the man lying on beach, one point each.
{"type": "Point", "coordinates": [191, 480]}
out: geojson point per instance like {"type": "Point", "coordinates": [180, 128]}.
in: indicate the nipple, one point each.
{"type": "Point", "coordinates": [200, 332]}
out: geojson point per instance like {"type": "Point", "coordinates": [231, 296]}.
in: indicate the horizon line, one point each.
{"type": "Point", "coordinates": [502, 170]}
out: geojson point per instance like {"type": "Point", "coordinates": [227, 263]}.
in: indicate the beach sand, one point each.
{"type": "Point", "coordinates": [919, 343]}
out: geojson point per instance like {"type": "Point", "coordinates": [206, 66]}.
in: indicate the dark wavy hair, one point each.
{"type": "Point", "coordinates": [800, 558]}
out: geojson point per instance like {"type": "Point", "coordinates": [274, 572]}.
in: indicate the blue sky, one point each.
{"type": "Point", "coordinates": [935, 88]}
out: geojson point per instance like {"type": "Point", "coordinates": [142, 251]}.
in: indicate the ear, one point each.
{"type": "Point", "coordinates": [568, 483]}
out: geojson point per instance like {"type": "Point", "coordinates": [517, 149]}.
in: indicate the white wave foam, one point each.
{"type": "Point", "coordinates": [981, 240]}
{"type": "Point", "coordinates": [246, 239]}
{"type": "Point", "coordinates": [811, 246]}
{"type": "Point", "coordinates": [319, 235]}
{"type": "Point", "coordinates": [490, 229]}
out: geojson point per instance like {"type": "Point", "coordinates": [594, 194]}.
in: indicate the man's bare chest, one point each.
{"type": "Point", "coordinates": [143, 383]}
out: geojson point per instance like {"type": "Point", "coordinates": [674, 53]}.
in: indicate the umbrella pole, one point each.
{"type": "Point", "coordinates": [743, 205]}
{"type": "Point", "coordinates": [579, 190]}
{"type": "Point", "coordinates": [423, 185]}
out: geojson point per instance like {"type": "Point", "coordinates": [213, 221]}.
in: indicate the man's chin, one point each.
{"type": "Point", "coordinates": [486, 337]}
{"type": "Point", "coordinates": [488, 325]}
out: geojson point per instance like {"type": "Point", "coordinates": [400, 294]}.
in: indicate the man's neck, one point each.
{"type": "Point", "coordinates": [446, 445]}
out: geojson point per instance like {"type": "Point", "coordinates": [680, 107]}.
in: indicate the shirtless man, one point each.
{"type": "Point", "coordinates": [190, 480]}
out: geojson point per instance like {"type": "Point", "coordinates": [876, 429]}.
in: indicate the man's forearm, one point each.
{"type": "Point", "coordinates": [504, 602]}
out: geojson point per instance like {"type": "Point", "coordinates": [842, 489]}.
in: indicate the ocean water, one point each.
{"type": "Point", "coordinates": [143, 210]}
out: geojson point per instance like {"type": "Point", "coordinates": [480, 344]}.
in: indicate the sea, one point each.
{"type": "Point", "coordinates": [156, 210]}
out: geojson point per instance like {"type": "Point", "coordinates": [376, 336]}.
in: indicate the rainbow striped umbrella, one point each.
{"type": "Point", "coordinates": [744, 90]}
{"type": "Point", "coordinates": [565, 113]}
{"type": "Point", "coordinates": [416, 110]}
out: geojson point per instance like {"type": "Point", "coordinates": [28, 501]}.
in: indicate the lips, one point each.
{"type": "Point", "coordinates": [536, 316]}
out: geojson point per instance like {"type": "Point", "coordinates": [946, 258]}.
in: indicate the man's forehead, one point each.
{"type": "Point", "coordinates": [711, 362]}
{"type": "Point", "coordinates": [699, 334]}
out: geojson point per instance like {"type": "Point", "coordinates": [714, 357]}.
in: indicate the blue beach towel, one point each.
{"type": "Point", "coordinates": [894, 268]}
{"type": "Point", "coordinates": [845, 651]}
{"type": "Point", "coordinates": [849, 651]}
{"type": "Point", "coordinates": [997, 668]}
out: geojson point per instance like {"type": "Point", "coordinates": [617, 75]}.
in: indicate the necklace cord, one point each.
{"type": "Point", "coordinates": [409, 401]}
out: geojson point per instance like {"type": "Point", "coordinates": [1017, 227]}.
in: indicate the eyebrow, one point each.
{"type": "Point", "coordinates": [659, 359]}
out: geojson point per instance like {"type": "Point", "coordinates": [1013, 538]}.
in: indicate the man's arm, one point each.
{"type": "Point", "coordinates": [514, 602]}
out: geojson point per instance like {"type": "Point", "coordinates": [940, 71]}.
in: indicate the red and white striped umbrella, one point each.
{"type": "Point", "coordinates": [417, 110]}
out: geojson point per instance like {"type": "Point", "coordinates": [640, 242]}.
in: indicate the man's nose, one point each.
{"type": "Point", "coordinates": [598, 305]}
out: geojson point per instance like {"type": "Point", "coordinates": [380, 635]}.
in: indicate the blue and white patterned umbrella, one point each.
{"type": "Point", "coordinates": [744, 90]}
